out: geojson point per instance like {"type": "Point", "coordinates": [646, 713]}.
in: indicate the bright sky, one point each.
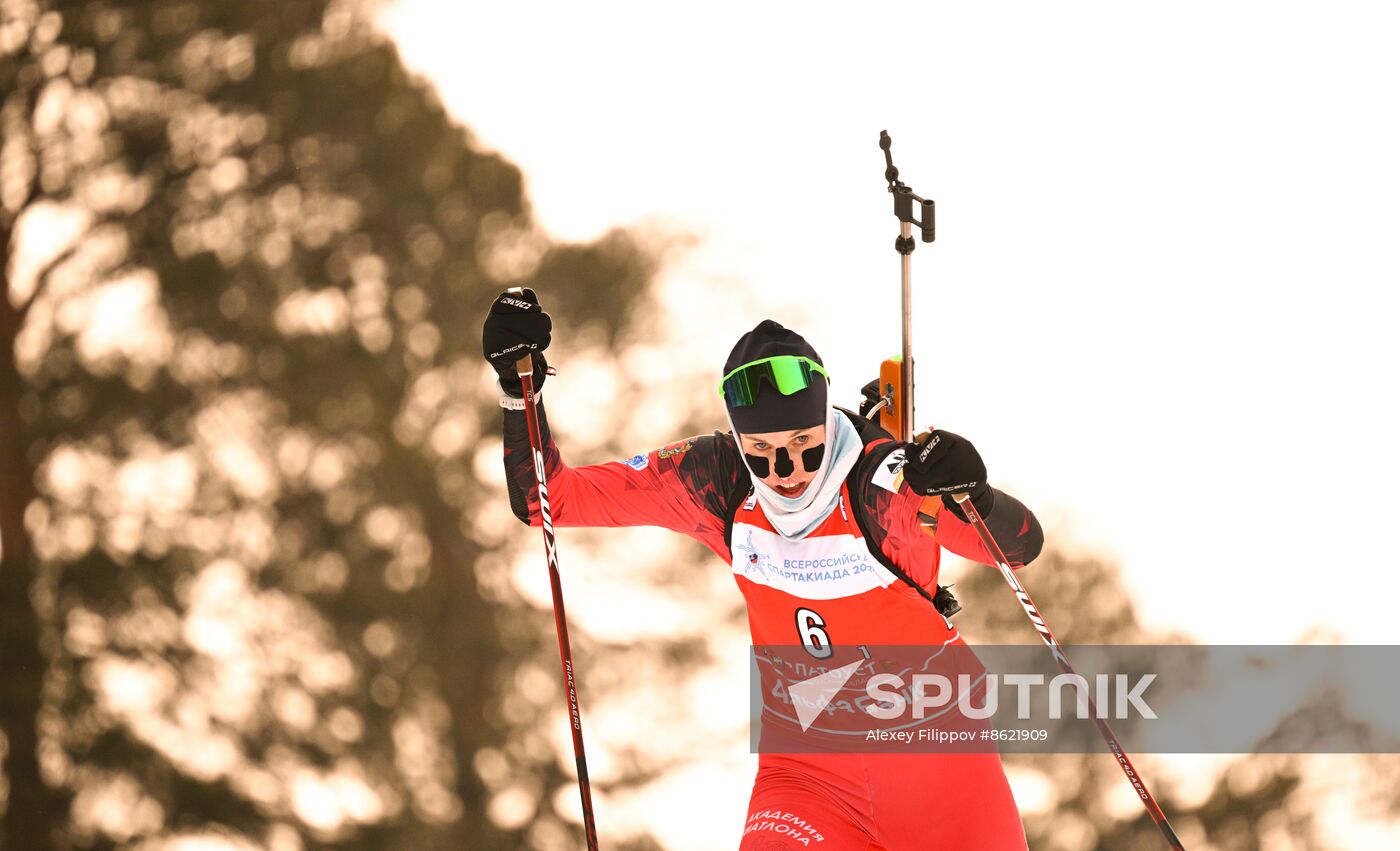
{"type": "Point", "coordinates": [1162, 297]}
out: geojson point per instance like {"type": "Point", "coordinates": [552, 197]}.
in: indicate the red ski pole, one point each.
{"type": "Point", "coordinates": [1158, 817]}
{"type": "Point", "coordinates": [899, 418]}
{"type": "Point", "coordinates": [526, 369]}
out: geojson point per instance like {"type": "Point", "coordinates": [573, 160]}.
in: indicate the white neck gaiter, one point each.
{"type": "Point", "coordinates": [794, 517]}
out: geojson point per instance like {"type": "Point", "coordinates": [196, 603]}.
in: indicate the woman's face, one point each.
{"type": "Point", "coordinates": [781, 455]}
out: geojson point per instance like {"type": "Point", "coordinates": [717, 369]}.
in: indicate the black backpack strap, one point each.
{"type": "Point", "coordinates": [879, 446]}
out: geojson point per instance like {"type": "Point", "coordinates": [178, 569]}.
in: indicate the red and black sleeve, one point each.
{"type": "Point", "coordinates": [895, 526]}
{"type": "Point", "coordinates": [1011, 523]}
{"type": "Point", "coordinates": [685, 486]}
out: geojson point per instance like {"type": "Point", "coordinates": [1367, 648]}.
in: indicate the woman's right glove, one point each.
{"type": "Point", "coordinates": [516, 326]}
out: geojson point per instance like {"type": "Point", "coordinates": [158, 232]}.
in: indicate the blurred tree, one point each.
{"type": "Point", "coordinates": [242, 411]}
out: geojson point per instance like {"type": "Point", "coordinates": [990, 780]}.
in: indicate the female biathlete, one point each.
{"type": "Point", "coordinates": [794, 488]}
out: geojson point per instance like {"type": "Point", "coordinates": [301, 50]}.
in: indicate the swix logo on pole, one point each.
{"type": "Point", "coordinates": [1026, 603]}
{"type": "Point", "coordinates": [590, 829]}
{"type": "Point", "coordinates": [545, 520]}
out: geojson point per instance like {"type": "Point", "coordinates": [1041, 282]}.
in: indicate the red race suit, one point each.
{"type": "Point", "coordinates": [866, 575]}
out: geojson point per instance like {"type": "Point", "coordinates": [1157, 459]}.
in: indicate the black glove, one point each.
{"type": "Point", "coordinates": [516, 326]}
{"type": "Point", "coordinates": [942, 464]}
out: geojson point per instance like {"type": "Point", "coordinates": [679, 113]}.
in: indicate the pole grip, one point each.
{"type": "Point", "coordinates": [526, 365]}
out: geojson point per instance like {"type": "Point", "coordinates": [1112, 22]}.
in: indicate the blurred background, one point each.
{"type": "Point", "coordinates": [261, 587]}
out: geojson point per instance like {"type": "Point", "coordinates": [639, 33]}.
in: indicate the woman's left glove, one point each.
{"type": "Point", "coordinates": [940, 463]}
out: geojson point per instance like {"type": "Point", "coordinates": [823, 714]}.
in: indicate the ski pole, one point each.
{"type": "Point", "coordinates": [900, 412]}
{"type": "Point", "coordinates": [1038, 621]}
{"type": "Point", "coordinates": [526, 369]}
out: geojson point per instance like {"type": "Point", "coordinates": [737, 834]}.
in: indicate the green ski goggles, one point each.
{"type": "Point", "coordinates": [787, 373]}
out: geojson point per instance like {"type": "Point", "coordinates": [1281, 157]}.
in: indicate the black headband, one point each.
{"type": "Point", "coordinates": [772, 411]}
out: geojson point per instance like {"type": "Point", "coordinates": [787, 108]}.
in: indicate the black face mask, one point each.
{"type": "Point", "coordinates": [811, 461]}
